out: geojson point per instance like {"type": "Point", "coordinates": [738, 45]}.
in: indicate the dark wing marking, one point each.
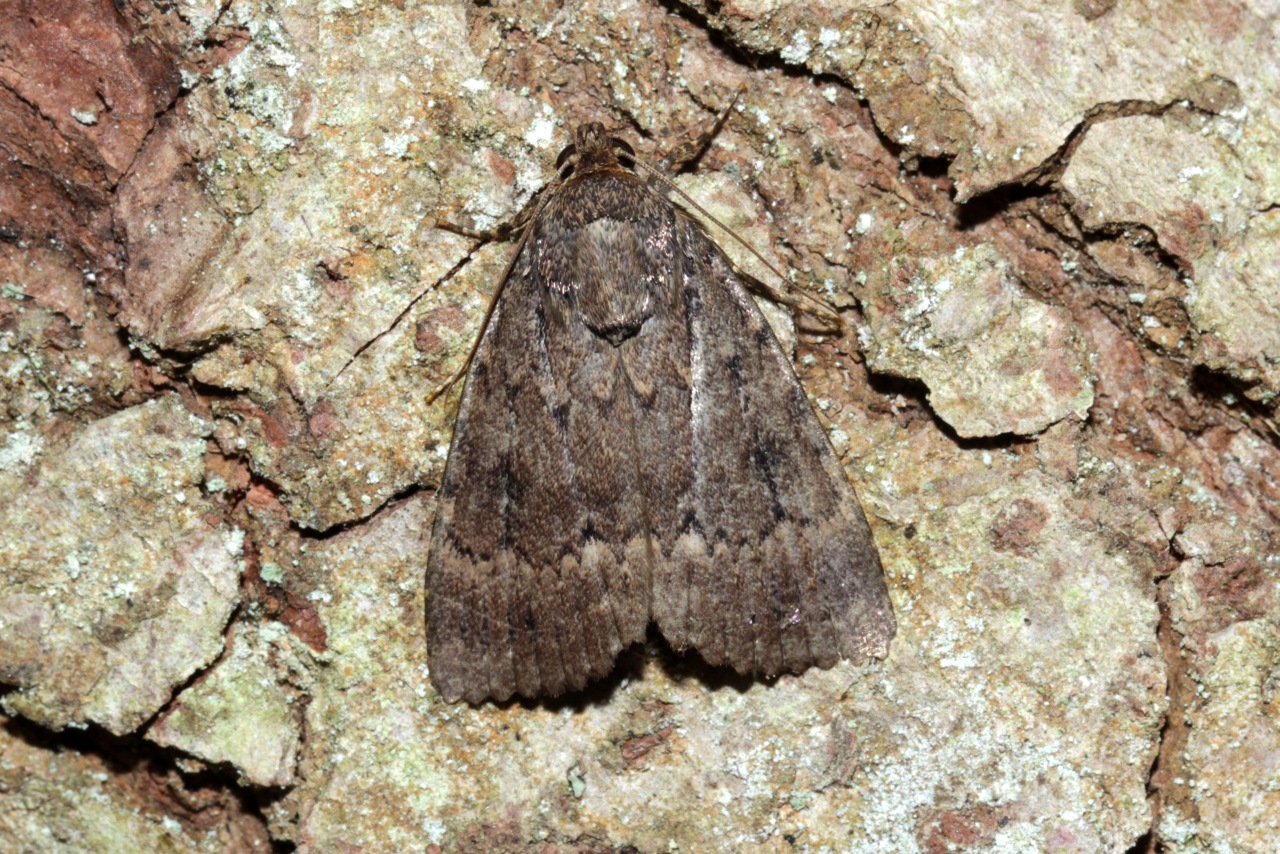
{"type": "Point", "coordinates": [767, 563]}
{"type": "Point", "coordinates": [539, 572]}
{"type": "Point", "coordinates": [520, 587]}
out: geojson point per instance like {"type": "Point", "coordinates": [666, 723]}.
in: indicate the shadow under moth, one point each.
{"type": "Point", "coordinates": [632, 446]}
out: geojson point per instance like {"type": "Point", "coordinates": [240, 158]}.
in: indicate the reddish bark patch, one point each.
{"type": "Point", "coordinates": [80, 87]}
{"type": "Point", "coordinates": [323, 419]}
{"type": "Point", "coordinates": [950, 830]}
{"type": "Point", "coordinates": [426, 339]}
{"type": "Point", "coordinates": [275, 431]}
{"type": "Point", "coordinates": [637, 748]}
{"type": "Point", "coordinates": [262, 498]}
{"type": "Point", "coordinates": [502, 167]}
{"type": "Point", "coordinates": [304, 622]}
{"type": "Point", "coordinates": [231, 469]}
{"type": "Point", "coordinates": [1237, 590]}
{"type": "Point", "coordinates": [1018, 527]}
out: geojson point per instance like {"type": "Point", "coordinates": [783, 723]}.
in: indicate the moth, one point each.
{"type": "Point", "coordinates": [633, 447]}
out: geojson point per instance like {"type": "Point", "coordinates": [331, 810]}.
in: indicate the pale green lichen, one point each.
{"type": "Point", "coordinates": [241, 712]}
{"type": "Point", "coordinates": [144, 585]}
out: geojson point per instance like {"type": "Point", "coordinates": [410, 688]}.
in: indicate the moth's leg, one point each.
{"type": "Point", "coordinates": [501, 231]}
{"type": "Point", "coordinates": [512, 227]}
{"type": "Point", "coordinates": [690, 150]}
{"type": "Point", "coordinates": [488, 314]}
{"type": "Point", "coordinates": [452, 379]}
{"type": "Point", "coordinates": [825, 319]}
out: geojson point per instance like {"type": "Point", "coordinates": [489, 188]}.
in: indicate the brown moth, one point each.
{"type": "Point", "coordinates": [632, 446]}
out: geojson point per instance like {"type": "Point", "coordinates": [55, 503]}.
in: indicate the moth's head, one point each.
{"type": "Point", "coordinates": [594, 148]}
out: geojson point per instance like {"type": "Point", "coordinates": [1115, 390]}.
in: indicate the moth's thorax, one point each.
{"type": "Point", "coordinates": [602, 248]}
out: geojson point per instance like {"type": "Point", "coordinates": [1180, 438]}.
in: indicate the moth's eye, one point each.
{"type": "Point", "coordinates": [569, 151]}
{"type": "Point", "coordinates": [623, 146]}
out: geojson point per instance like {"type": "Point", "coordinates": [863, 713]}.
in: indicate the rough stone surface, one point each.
{"type": "Point", "coordinates": [296, 274]}
{"type": "Point", "coordinates": [242, 712]}
{"type": "Point", "coordinates": [1181, 126]}
{"type": "Point", "coordinates": [1180, 177]}
{"type": "Point", "coordinates": [994, 361]}
{"type": "Point", "coordinates": [1235, 742]}
{"type": "Point", "coordinates": [60, 354]}
{"type": "Point", "coordinates": [1224, 604]}
{"type": "Point", "coordinates": [1067, 458]}
{"type": "Point", "coordinates": [1019, 97]}
{"type": "Point", "coordinates": [1236, 305]}
{"type": "Point", "coordinates": [73, 798]}
{"type": "Point", "coordinates": [116, 586]}
{"type": "Point", "coordinates": [373, 770]}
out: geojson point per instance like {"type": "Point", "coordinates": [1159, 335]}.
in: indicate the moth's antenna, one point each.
{"type": "Point", "coordinates": [520, 224]}
{"type": "Point", "coordinates": [815, 306]}
{"type": "Point", "coordinates": [688, 151]}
